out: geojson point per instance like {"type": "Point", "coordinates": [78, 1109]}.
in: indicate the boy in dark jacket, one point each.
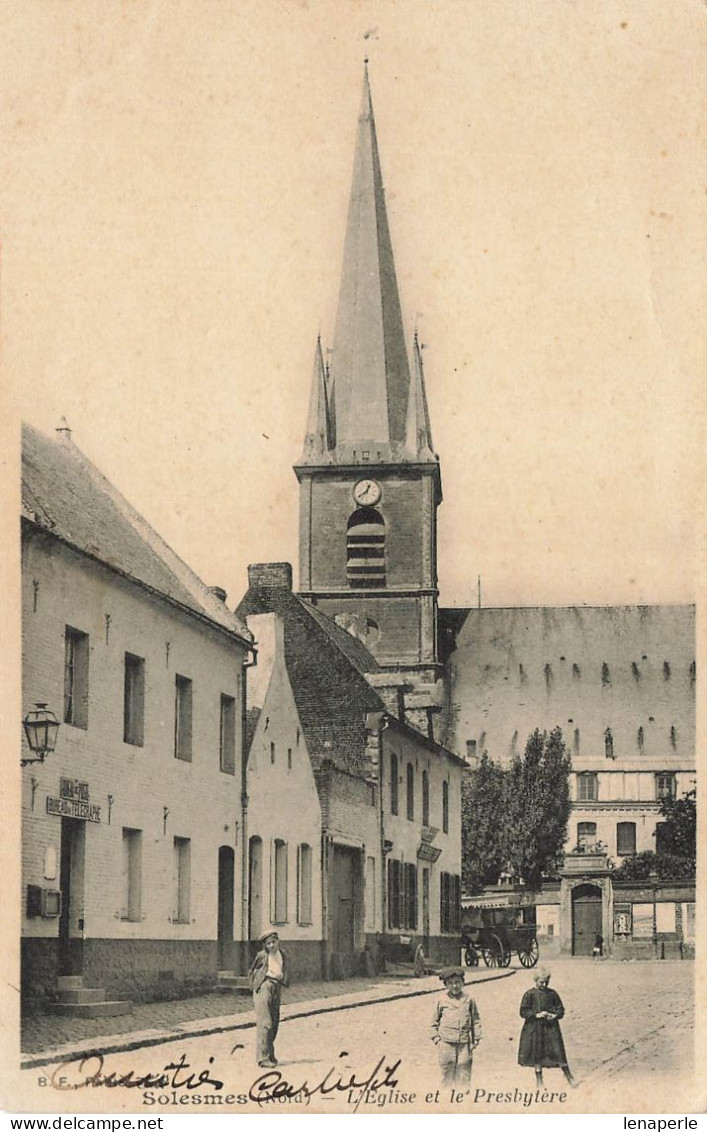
{"type": "Point", "coordinates": [267, 976]}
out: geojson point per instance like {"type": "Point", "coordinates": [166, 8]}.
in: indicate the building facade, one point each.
{"type": "Point", "coordinates": [354, 819]}
{"type": "Point", "coordinates": [619, 681]}
{"type": "Point", "coordinates": [131, 827]}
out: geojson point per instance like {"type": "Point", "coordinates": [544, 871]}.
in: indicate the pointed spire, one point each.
{"type": "Point", "coordinates": [369, 365]}
{"type": "Point", "coordinates": [418, 434]}
{"type": "Point", "coordinates": [320, 433]}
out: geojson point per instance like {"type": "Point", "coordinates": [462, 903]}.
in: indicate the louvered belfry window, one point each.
{"type": "Point", "coordinates": [365, 549]}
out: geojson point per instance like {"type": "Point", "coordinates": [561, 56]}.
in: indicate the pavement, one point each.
{"type": "Point", "coordinates": [49, 1038]}
{"type": "Point", "coordinates": [628, 1029]}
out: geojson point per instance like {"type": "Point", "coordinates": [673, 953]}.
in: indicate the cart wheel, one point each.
{"type": "Point", "coordinates": [529, 957]}
{"type": "Point", "coordinates": [471, 957]}
{"type": "Point", "coordinates": [418, 963]}
{"type": "Point", "coordinates": [506, 957]}
{"type": "Point", "coordinates": [493, 953]}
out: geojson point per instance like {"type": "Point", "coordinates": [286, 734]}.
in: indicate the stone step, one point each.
{"type": "Point", "coordinates": [69, 982]}
{"type": "Point", "coordinates": [90, 1009]}
{"type": "Point", "coordinates": [231, 983]}
{"type": "Point", "coordinates": [83, 994]}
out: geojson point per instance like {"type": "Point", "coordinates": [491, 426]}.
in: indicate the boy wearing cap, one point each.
{"type": "Point", "coordinates": [267, 977]}
{"type": "Point", "coordinates": [456, 1028]}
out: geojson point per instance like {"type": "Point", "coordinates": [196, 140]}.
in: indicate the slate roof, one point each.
{"type": "Point", "coordinates": [65, 494]}
{"type": "Point", "coordinates": [326, 669]}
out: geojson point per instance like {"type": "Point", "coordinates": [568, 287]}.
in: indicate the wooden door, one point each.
{"type": "Point", "coordinates": [586, 918]}
{"type": "Point", "coordinates": [426, 910]}
{"type": "Point", "coordinates": [255, 888]}
{"type": "Point", "coordinates": [70, 957]}
{"type": "Point", "coordinates": [225, 907]}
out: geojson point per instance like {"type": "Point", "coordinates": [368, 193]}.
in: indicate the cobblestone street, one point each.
{"type": "Point", "coordinates": [628, 1030]}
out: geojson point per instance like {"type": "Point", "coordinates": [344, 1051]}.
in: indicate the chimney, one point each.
{"type": "Point", "coordinates": [63, 432]}
{"type": "Point", "coordinates": [270, 576]}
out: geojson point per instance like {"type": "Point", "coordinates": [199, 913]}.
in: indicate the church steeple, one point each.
{"type": "Point", "coordinates": [320, 434]}
{"type": "Point", "coordinates": [418, 437]}
{"type": "Point", "coordinates": [369, 364]}
{"type": "Point", "coordinates": [370, 481]}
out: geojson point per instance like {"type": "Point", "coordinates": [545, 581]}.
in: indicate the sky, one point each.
{"type": "Point", "coordinates": [175, 180]}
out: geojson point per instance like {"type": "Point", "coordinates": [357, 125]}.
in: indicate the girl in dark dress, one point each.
{"type": "Point", "coordinates": [541, 1043]}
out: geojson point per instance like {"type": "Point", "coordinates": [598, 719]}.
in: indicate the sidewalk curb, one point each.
{"type": "Point", "coordinates": [58, 1057]}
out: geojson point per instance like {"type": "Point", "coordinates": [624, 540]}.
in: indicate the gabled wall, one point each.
{"type": "Point", "coordinates": [283, 803]}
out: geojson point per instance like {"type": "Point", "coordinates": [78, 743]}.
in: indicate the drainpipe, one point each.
{"type": "Point", "coordinates": [244, 807]}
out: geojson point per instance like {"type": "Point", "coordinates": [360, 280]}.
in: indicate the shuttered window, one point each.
{"type": "Point", "coordinates": [365, 549]}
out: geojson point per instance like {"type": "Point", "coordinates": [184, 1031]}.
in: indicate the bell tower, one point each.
{"type": "Point", "coordinates": [369, 478]}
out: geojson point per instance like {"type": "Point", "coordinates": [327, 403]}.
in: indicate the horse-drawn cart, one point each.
{"type": "Point", "coordinates": [495, 933]}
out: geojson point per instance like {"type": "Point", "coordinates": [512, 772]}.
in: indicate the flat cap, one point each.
{"type": "Point", "coordinates": [448, 972]}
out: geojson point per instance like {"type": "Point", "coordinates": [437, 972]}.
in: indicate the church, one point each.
{"type": "Point", "coordinates": [618, 681]}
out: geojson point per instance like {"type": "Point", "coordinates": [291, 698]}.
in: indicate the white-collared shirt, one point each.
{"type": "Point", "coordinates": [274, 970]}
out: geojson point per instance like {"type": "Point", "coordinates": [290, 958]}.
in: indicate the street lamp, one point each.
{"type": "Point", "coordinates": [41, 728]}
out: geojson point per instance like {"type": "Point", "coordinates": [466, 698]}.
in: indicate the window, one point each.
{"type": "Point", "coordinates": [586, 835]}
{"type": "Point", "coordinates": [182, 880]}
{"type": "Point", "coordinates": [410, 791]}
{"type": "Point", "coordinates": [371, 894]}
{"type": "Point", "coordinates": [75, 677]}
{"type": "Point", "coordinates": [182, 718]}
{"type": "Point", "coordinates": [131, 908]}
{"type": "Point", "coordinates": [410, 895]}
{"type": "Point", "coordinates": [289, 758]}
{"type": "Point", "coordinates": [625, 838]}
{"type": "Point", "coordinates": [227, 740]}
{"type": "Point", "coordinates": [279, 886]}
{"type": "Point", "coordinates": [395, 891]}
{"type": "Point", "coordinates": [662, 840]}
{"type": "Point", "coordinates": [134, 700]}
{"type": "Point", "coordinates": [304, 885]}
{"type": "Point", "coordinates": [365, 549]}
{"type": "Point", "coordinates": [445, 807]}
{"type": "Point", "coordinates": [393, 784]}
{"type": "Point", "coordinates": [471, 750]}
{"type": "Point", "coordinates": [425, 798]}
{"type": "Point", "coordinates": [272, 752]}
{"type": "Point", "coordinates": [608, 744]}
{"type": "Point", "coordinates": [587, 787]}
{"type": "Point", "coordinates": [449, 903]}
{"type": "Point", "coordinates": [664, 787]}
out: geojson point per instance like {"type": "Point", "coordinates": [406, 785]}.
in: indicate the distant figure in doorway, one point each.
{"type": "Point", "coordinates": [456, 1028]}
{"type": "Point", "coordinates": [267, 977]}
{"type": "Point", "coordinates": [598, 949]}
{"type": "Point", "coordinates": [541, 1043]}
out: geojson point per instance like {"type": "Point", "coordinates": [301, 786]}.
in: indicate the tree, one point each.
{"type": "Point", "coordinates": [676, 859]}
{"type": "Point", "coordinates": [679, 832]}
{"type": "Point", "coordinates": [538, 806]}
{"type": "Point", "coordinates": [484, 850]}
{"type": "Point", "coordinates": [516, 818]}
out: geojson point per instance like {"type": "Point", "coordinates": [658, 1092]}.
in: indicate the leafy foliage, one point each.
{"type": "Point", "coordinates": [676, 858]}
{"type": "Point", "coordinates": [665, 866]}
{"type": "Point", "coordinates": [484, 851]}
{"type": "Point", "coordinates": [538, 806]}
{"type": "Point", "coordinates": [515, 819]}
{"type": "Point", "coordinates": [679, 833]}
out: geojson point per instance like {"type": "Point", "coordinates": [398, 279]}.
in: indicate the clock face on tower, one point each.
{"type": "Point", "coordinates": [367, 493]}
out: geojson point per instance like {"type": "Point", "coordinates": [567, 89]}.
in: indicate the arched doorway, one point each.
{"type": "Point", "coordinates": [586, 918]}
{"type": "Point", "coordinates": [255, 887]}
{"type": "Point", "coordinates": [226, 861]}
